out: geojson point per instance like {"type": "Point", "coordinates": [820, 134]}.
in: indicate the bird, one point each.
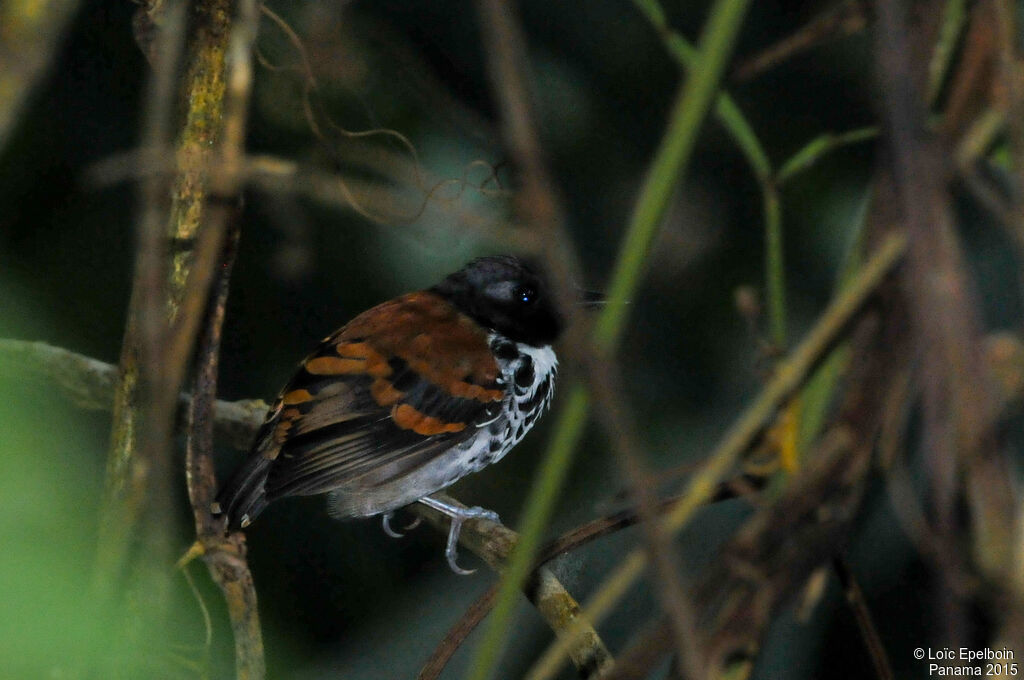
{"type": "Point", "coordinates": [407, 398]}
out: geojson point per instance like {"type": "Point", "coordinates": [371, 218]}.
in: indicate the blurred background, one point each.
{"type": "Point", "coordinates": [343, 600]}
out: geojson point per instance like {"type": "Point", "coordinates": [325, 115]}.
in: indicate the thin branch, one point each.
{"type": "Point", "coordinates": [732, 118]}
{"type": "Point", "coordinates": [726, 110]}
{"type": "Point", "coordinates": [676, 148]}
{"type": "Point", "coordinates": [846, 18]}
{"type": "Point", "coordinates": [767, 561]}
{"type": "Point", "coordinates": [958, 408]}
{"type": "Point", "coordinates": [954, 17]}
{"type": "Point", "coordinates": [221, 212]}
{"type": "Point", "coordinates": [865, 623]}
{"type": "Point", "coordinates": [90, 384]}
{"type": "Point", "coordinates": [138, 470]}
{"type": "Point", "coordinates": [458, 633]}
{"type": "Point", "coordinates": [588, 532]}
{"type": "Point", "coordinates": [621, 429]}
{"type": "Point", "coordinates": [507, 63]}
{"type": "Point", "coordinates": [774, 265]}
{"type": "Point", "coordinates": [1011, 79]}
{"type": "Point", "coordinates": [538, 205]}
{"type": "Point", "coordinates": [225, 555]}
{"type": "Point", "coordinates": [819, 147]}
{"type": "Point", "coordinates": [379, 201]}
{"type": "Point", "coordinates": [800, 529]}
{"type": "Point", "coordinates": [685, 121]}
{"type": "Point", "coordinates": [172, 286]}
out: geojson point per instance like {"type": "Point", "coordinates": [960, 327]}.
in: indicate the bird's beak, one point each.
{"type": "Point", "coordinates": [591, 299]}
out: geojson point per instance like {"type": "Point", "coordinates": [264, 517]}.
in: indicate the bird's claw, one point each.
{"type": "Point", "coordinates": [386, 521]}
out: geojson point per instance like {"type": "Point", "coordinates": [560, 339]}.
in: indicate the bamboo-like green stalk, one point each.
{"type": "Point", "coordinates": [727, 111]}
{"type": "Point", "coordinates": [954, 18]}
{"type": "Point", "coordinates": [816, 149]}
{"type": "Point", "coordinates": [818, 392]}
{"type": "Point", "coordinates": [774, 264]}
{"type": "Point", "coordinates": [675, 150]}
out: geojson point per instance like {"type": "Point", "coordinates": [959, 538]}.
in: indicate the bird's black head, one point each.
{"type": "Point", "coordinates": [502, 293]}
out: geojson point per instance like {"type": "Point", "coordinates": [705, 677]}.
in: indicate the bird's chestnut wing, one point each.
{"type": "Point", "coordinates": [397, 386]}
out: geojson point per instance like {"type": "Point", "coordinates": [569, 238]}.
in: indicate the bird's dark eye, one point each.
{"type": "Point", "coordinates": [524, 294]}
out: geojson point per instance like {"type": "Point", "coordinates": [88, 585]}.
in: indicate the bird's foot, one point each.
{"type": "Point", "coordinates": [458, 515]}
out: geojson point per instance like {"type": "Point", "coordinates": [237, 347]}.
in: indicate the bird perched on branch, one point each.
{"type": "Point", "coordinates": [407, 398]}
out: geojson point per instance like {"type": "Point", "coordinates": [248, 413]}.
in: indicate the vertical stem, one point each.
{"type": "Point", "coordinates": [775, 268]}
{"type": "Point", "coordinates": [129, 464]}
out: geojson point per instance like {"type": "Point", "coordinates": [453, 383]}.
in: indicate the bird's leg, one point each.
{"type": "Point", "coordinates": [458, 515]}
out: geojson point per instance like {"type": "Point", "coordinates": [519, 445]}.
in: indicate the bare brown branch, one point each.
{"type": "Point", "coordinates": [225, 555]}
{"type": "Point", "coordinates": [138, 471]}
{"type": "Point", "coordinates": [458, 633]}
{"type": "Point", "coordinates": [865, 622]}
{"type": "Point", "coordinates": [846, 18]}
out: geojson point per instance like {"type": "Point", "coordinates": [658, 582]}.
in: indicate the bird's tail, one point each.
{"type": "Point", "coordinates": [245, 495]}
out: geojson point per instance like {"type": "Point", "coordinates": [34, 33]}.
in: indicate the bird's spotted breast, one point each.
{"type": "Point", "coordinates": [529, 376]}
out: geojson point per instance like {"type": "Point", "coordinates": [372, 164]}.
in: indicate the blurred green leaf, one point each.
{"type": "Point", "coordinates": [47, 498]}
